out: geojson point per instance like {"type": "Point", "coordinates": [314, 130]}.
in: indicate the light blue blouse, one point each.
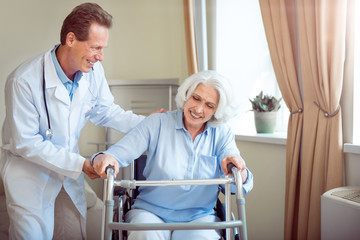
{"type": "Point", "coordinates": [171, 154]}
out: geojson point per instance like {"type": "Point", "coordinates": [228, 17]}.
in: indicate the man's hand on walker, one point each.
{"type": "Point", "coordinates": [89, 170]}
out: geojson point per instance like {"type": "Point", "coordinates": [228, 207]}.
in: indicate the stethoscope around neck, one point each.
{"type": "Point", "coordinates": [49, 133]}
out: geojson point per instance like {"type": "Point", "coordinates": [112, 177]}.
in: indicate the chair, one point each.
{"type": "Point", "coordinates": [119, 196]}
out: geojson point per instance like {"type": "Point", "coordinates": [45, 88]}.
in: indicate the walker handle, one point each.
{"type": "Point", "coordinates": [230, 166]}
{"type": "Point", "coordinates": [109, 167]}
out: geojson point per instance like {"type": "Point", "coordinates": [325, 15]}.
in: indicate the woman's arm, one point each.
{"type": "Point", "coordinates": [128, 148]}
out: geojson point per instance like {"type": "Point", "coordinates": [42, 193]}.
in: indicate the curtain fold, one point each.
{"type": "Point", "coordinates": [322, 34]}
{"type": "Point", "coordinates": [191, 52]}
{"type": "Point", "coordinates": [279, 23]}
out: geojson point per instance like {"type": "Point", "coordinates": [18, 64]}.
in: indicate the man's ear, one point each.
{"type": "Point", "coordinates": [70, 38]}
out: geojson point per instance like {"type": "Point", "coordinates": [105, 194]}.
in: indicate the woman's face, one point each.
{"type": "Point", "coordinates": [201, 106]}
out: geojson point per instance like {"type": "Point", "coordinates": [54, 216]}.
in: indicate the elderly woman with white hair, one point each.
{"type": "Point", "coordinates": [190, 143]}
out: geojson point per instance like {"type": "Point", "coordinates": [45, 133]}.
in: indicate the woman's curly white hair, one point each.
{"type": "Point", "coordinates": [227, 106]}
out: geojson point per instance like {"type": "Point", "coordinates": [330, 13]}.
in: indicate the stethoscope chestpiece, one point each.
{"type": "Point", "coordinates": [48, 134]}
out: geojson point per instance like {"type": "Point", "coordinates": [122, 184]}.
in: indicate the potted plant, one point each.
{"type": "Point", "coordinates": [265, 109]}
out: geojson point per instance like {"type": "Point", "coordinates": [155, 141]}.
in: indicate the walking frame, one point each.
{"type": "Point", "coordinates": [232, 226]}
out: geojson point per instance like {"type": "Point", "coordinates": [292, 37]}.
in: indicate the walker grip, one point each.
{"type": "Point", "coordinates": [109, 167]}
{"type": "Point", "coordinates": [230, 166]}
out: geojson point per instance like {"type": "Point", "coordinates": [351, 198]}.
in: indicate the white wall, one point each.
{"type": "Point", "coordinates": [265, 203]}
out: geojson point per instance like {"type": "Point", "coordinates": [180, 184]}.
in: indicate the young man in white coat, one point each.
{"type": "Point", "coordinates": [48, 101]}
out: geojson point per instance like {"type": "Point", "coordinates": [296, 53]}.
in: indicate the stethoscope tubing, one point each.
{"type": "Point", "coordinates": [49, 131]}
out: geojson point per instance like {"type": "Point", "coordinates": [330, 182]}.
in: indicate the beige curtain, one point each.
{"type": "Point", "coordinates": [193, 66]}
{"type": "Point", "coordinates": [322, 31]}
{"type": "Point", "coordinates": [279, 22]}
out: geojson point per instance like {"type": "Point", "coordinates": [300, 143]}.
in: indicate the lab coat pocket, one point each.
{"type": "Point", "coordinates": [208, 167]}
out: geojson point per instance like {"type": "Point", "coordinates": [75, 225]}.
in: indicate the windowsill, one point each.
{"type": "Point", "coordinates": [280, 139]}
{"type": "Point", "coordinates": [272, 138]}
{"type": "Point", "coordinates": [351, 148]}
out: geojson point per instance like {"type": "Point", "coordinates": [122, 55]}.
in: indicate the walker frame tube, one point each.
{"type": "Point", "coordinates": [108, 225]}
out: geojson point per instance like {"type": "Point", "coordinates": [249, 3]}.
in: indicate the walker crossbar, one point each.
{"type": "Point", "coordinates": [175, 226]}
{"type": "Point", "coordinates": [132, 184]}
{"type": "Point", "coordinates": [108, 224]}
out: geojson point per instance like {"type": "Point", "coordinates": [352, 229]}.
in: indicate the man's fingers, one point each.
{"type": "Point", "coordinates": [93, 176]}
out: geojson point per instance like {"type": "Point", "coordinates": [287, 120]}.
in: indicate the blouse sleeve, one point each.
{"type": "Point", "coordinates": [227, 146]}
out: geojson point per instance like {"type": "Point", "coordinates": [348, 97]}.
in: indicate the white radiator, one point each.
{"type": "Point", "coordinates": [340, 214]}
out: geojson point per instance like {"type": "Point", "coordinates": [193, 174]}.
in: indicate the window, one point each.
{"type": "Point", "coordinates": [356, 101]}
{"type": "Point", "coordinates": [242, 55]}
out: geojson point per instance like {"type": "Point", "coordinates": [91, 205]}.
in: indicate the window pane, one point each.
{"type": "Point", "coordinates": [243, 56]}
{"type": "Point", "coordinates": [356, 107]}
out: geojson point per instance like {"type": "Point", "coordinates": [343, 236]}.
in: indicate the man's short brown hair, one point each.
{"type": "Point", "coordinates": [80, 20]}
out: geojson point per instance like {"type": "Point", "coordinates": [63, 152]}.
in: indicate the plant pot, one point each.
{"type": "Point", "coordinates": [265, 122]}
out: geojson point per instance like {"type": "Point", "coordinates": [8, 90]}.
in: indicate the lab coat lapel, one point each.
{"type": "Point", "coordinates": [81, 90]}
{"type": "Point", "coordinates": [52, 81]}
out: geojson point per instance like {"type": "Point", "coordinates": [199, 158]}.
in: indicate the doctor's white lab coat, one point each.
{"type": "Point", "coordinates": [33, 168]}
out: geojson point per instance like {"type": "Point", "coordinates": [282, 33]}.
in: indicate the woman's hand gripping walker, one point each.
{"type": "Point", "coordinates": [102, 161]}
